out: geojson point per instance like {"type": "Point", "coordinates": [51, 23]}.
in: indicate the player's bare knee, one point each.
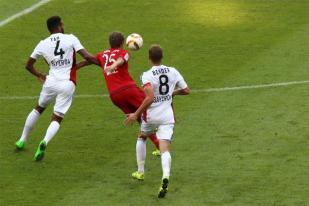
{"type": "Point", "coordinates": [164, 145]}
{"type": "Point", "coordinates": [39, 109]}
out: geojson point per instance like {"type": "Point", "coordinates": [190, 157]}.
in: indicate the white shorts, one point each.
{"type": "Point", "coordinates": [163, 131]}
{"type": "Point", "coordinates": [61, 91]}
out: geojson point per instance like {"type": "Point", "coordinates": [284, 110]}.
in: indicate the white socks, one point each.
{"type": "Point", "coordinates": [166, 160]}
{"type": "Point", "coordinates": [31, 121]}
{"type": "Point", "coordinates": [140, 154]}
{"type": "Point", "coordinates": [29, 124]}
{"type": "Point", "coordinates": [51, 131]}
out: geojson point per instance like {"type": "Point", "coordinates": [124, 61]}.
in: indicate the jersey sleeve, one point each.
{"type": "Point", "coordinates": [76, 43]}
{"type": "Point", "coordinates": [180, 82]}
{"type": "Point", "coordinates": [100, 59]}
{"type": "Point", "coordinates": [37, 52]}
{"type": "Point", "coordinates": [124, 55]}
{"type": "Point", "coordinates": [146, 80]}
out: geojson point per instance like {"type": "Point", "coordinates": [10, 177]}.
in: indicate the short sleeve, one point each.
{"type": "Point", "coordinates": [37, 52]}
{"type": "Point", "coordinates": [145, 79]}
{"type": "Point", "coordinates": [99, 58]}
{"type": "Point", "coordinates": [76, 43]}
{"type": "Point", "coordinates": [180, 82]}
{"type": "Point", "coordinates": [125, 55]}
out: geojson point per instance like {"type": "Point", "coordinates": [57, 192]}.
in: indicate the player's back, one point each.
{"type": "Point", "coordinates": [163, 79]}
{"type": "Point", "coordinates": [120, 77]}
{"type": "Point", "coordinates": [58, 51]}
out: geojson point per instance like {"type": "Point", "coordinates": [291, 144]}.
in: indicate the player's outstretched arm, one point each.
{"type": "Point", "coordinates": [114, 66]}
{"type": "Point", "coordinates": [88, 57]}
{"type": "Point", "coordinates": [34, 71]}
{"type": "Point", "coordinates": [82, 64]}
{"type": "Point", "coordinates": [148, 89]}
{"type": "Point", "coordinates": [184, 91]}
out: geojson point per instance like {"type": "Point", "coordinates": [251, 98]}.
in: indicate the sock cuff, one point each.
{"type": "Point", "coordinates": [166, 153]}
{"type": "Point", "coordinates": [55, 123]}
{"type": "Point", "coordinates": [36, 112]}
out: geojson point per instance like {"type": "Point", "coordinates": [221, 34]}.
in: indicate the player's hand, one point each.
{"type": "Point", "coordinates": [42, 78]}
{"type": "Point", "coordinates": [109, 69]}
{"type": "Point", "coordinates": [131, 118]}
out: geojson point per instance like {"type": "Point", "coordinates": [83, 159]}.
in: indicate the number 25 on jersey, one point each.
{"type": "Point", "coordinates": [109, 60]}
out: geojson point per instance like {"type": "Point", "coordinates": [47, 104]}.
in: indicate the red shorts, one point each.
{"type": "Point", "coordinates": [128, 99]}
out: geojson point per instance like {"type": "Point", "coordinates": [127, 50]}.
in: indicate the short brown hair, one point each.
{"type": "Point", "coordinates": [116, 39]}
{"type": "Point", "coordinates": [156, 53]}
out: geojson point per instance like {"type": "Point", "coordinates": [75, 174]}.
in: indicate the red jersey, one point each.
{"type": "Point", "coordinates": [120, 78]}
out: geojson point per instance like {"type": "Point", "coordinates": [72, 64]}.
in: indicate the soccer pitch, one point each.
{"type": "Point", "coordinates": [242, 147]}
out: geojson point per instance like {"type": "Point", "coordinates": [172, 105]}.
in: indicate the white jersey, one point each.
{"type": "Point", "coordinates": [163, 79]}
{"type": "Point", "coordinates": [58, 51]}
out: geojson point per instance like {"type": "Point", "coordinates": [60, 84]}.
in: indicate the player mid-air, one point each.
{"type": "Point", "coordinates": [161, 83]}
{"type": "Point", "coordinates": [123, 90]}
{"type": "Point", "coordinates": [58, 50]}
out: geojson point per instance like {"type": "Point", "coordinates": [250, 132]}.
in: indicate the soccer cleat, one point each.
{"type": "Point", "coordinates": [163, 189]}
{"type": "Point", "coordinates": [20, 145]}
{"type": "Point", "coordinates": [40, 151]}
{"type": "Point", "coordinates": [156, 153]}
{"type": "Point", "coordinates": [138, 175]}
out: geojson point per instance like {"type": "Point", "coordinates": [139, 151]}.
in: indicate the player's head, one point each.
{"type": "Point", "coordinates": [156, 54]}
{"type": "Point", "coordinates": [116, 39]}
{"type": "Point", "coordinates": [55, 24]}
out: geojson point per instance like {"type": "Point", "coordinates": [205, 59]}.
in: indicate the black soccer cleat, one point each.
{"type": "Point", "coordinates": [163, 189]}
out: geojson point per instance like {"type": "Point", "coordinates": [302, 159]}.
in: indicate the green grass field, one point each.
{"type": "Point", "coordinates": [231, 148]}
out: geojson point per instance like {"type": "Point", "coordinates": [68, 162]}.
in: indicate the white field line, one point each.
{"type": "Point", "coordinates": [23, 12]}
{"type": "Point", "coordinates": [223, 89]}
{"type": "Point", "coordinates": [259, 86]}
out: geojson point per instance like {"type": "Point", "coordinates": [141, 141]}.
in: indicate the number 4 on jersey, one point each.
{"type": "Point", "coordinates": [60, 52]}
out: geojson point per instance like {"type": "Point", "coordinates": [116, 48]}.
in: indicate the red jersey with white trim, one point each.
{"type": "Point", "coordinates": [58, 51]}
{"type": "Point", "coordinates": [120, 78]}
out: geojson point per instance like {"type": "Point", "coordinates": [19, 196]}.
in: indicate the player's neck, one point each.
{"type": "Point", "coordinates": [56, 32]}
{"type": "Point", "coordinates": [113, 48]}
{"type": "Point", "coordinates": [156, 64]}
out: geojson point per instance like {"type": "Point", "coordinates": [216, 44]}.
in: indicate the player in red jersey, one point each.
{"type": "Point", "coordinates": [123, 90]}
